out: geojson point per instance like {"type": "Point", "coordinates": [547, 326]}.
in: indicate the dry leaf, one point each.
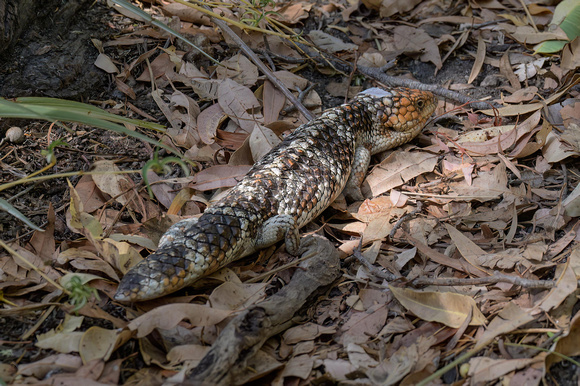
{"type": "Point", "coordinates": [262, 140]}
{"type": "Point", "coordinates": [115, 185]}
{"type": "Point", "coordinates": [274, 102]}
{"type": "Point", "coordinates": [238, 102]}
{"type": "Point", "coordinates": [566, 284]}
{"type": "Point", "coordinates": [479, 58]}
{"type": "Point", "coordinates": [236, 296]}
{"type": "Point", "coordinates": [416, 42]}
{"type": "Point", "coordinates": [482, 369]}
{"type": "Point", "coordinates": [168, 316]}
{"type": "Point", "coordinates": [469, 250]}
{"type": "Point", "coordinates": [240, 69]}
{"type": "Point", "coordinates": [448, 308]}
{"type": "Point", "coordinates": [509, 318]}
{"type": "Point", "coordinates": [397, 169]}
{"type": "Point", "coordinates": [362, 324]}
{"type": "Point", "coordinates": [306, 331]}
{"type": "Point", "coordinates": [329, 43]}
{"type": "Point", "coordinates": [219, 176]}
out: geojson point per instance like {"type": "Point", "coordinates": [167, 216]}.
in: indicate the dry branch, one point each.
{"type": "Point", "coordinates": [247, 332]}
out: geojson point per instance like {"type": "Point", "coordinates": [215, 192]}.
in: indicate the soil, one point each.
{"type": "Point", "coordinates": [55, 58]}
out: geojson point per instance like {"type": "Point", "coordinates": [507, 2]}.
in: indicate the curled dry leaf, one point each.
{"type": "Point", "coordinates": [293, 12]}
{"type": "Point", "coordinates": [566, 285]}
{"type": "Point", "coordinates": [390, 7]}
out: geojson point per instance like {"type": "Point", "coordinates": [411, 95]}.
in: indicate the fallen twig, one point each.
{"type": "Point", "coordinates": [247, 332]}
{"type": "Point", "coordinates": [265, 70]}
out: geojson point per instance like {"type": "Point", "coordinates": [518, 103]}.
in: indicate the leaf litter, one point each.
{"type": "Point", "coordinates": [466, 245]}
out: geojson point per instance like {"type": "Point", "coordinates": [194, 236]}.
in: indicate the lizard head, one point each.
{"type": "Point", "coordinates": [402, 109]}
{"type": "Point", "coordinates": [398, 115]}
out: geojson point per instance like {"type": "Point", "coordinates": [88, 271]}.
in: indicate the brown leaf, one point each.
{"type": "Point", "coordinates": [237, 101]}
{"type": "Point", "coordinates": [399, 167]}
{"type": "Point", "coordinates": [572, 203]}
{"type": "Point", "coordinates": [219, 176]}
{"type": "Point", "coordinates": [568, 345]}
{"type": "Point", "coordinates": [389, 8]}
{"type": "Point", "coordinates": [468, 249]}
{"type": "Point", "coordinates": [53, 363]}
{"type": "Point", "coordinates": [483, 370]}
{"type": "Point", "coordinates": [89, 194]}
{"type": "Point", "coordinates": [556, 150]}
{"type": "Point", "coordinates": [239, 69]}
{"type": "Point", "coordinates": [571, 55]}
{"type": "Point", "coordinates": [99, 343]}
{"type": "Point", "coordinates": [486, 186]}
{"type": "Point", "coordinates": [523, 95]}
{"type": "Point", "coordinates": [186, 13]}
{"type": "Point", "coordinates": [168, 316]}
{"type": "Point", "coordinates": [293, 12]}
{"type": "Point", "coordinates": [506, 70]}
{"type": "Point", "coordinates": [115, 185]}
{"type": "Point", "coordinates": [479, 58]}
{"type": "Point", "coordinates": [362, 324]}
{"type": "Point", "coordinates": [306, 331]}
{"type": "Point", "coordinates": [43, 243]}
{"type": "Point", "coordinates": [330, 43]}
{"type": "Point", "coordinates": [159, 66]}
{"type": "Point", "coordinates": [298, 366]}
{"type": "Point", "coordinates": [409, 358]}
{"type": "Point", "coordinates": [470, 143]}
{"type": "Point", "coordinates": [262, 140]}
{"type": "Point", "coordinates": [448, 308]}
{"type": "Point", "coordinates": [274, 102]}
{"type": "Point", "coordinates": [528, 35]}
{"type": "Point", "coordinates": [416, 42]}
{"type": "Point", "coordinates": [236, 296]}
{"type": "Point", "coordinates": [509, 318]}
{"type": "Point", "coordinates": [566, 285]}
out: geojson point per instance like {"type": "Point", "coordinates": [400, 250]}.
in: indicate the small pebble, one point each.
{"type": "Point", "coordinates": [15, 134]}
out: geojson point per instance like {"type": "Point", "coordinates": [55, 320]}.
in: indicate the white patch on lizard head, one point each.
{"type": "Point", "coordinates": [377, 92]}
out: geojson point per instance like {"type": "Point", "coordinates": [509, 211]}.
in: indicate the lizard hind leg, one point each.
{"type": "Point", "coordinates": [282, 226]}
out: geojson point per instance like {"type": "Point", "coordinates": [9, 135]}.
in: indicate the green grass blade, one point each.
{"type": "Point", "coordinates": [60, 110]}
{"type": "Point", "coordinates": [5, 205]}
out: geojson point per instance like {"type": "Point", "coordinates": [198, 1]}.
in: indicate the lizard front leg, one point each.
{"type": "Point", "coordinates": [362, 159]}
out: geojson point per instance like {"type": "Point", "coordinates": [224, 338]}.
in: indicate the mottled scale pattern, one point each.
{"type": "Point", "coordinates": [284, 190]}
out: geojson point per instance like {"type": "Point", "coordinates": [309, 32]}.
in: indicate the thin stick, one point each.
{"type": "Point", "coordinates": [265, 70]}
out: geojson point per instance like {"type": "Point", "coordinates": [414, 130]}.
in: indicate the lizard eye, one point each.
{"type": "Point", "coordinates": [420, 103]}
